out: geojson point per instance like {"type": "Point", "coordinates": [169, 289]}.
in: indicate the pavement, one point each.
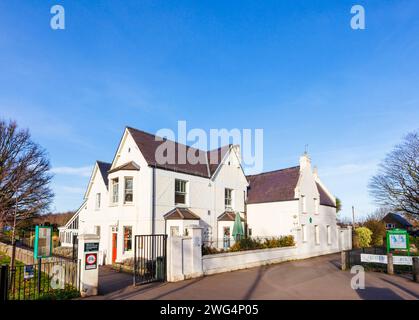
{"type": "Point", "coordinates": [313, 279]}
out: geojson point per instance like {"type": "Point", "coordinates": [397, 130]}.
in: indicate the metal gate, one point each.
{"type": "Point", "coordinates": [75, 247]}
{"type": "Point", "coordinates": [150, 258]}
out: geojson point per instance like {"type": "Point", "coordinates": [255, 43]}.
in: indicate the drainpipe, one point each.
{"type": "Point", "coordinates": [245, 214]}
{"type": "Point", "coordinates": [153, 202]}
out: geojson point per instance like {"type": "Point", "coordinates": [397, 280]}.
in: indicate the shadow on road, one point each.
{"type": "Point", "coordinates": [414, 294]}
{"type": "Point", "coordinates": [373, 293]}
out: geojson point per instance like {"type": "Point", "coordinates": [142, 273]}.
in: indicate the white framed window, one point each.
{"type": "Point", "coordinates": [316, 206]}
{"type": "Point", "coordinates": [97, 205]}
{"type": "Point", "coordinates": [317, 234]}
{"type": "Point", "coordinates": [180, 191]}
{"type": "Point", "coordinates": [228, 198]}
{"type": "Point", "coordinates": [390, 225]}
{"type": "Point", "coordinates": [304, 203]}
{"type": "Point", "coordinates": [304, 232]}
{"type": "Point", "coordinates": [115, 190]}
{"type": "Point", "coordinates": [128, 190]}
{"type": "Point", "coordinates": [329, 235]}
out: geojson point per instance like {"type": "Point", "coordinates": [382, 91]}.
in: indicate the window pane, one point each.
{"type": "Point", "coordinates": [180, 198]}
{"type": "Point", "coordinates": [115, 190]}
{"type": "Point", "coordinates": [180, 191]}
{"type": "Point", "coordinates": [127, 238]}
{"type": "Point", "coordinates": [128, 190]}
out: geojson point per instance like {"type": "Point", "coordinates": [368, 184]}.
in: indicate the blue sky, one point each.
{"type": "Point", "coordinates": [294, 68]}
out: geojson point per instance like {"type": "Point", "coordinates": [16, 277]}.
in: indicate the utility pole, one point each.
{"type": "Point", "coordinates": [353, 217]}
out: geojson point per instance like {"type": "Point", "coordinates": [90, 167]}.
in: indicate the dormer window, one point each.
{"type": "Point", "coordinates": [115, 190]}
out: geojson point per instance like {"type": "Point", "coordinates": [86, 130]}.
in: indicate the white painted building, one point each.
{"type": "Point", "coordinates": [293, 201]}
{"type": "Point", "coordinates": [136, 195]}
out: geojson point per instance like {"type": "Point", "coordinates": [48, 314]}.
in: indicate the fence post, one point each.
{"type": "Point", "coordinates": [345, 259]}
{"type": "Point", "coordinates": [38, 284]}
{"type": "Point", "coordinates": [415, 265]}
{"type": "Point", "coordinates": [390, 266]}
{"type": "Point", "coordinates": [4, 286]}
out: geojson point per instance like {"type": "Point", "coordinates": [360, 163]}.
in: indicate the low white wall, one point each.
{"type": "Point", "coordinates": [184, 256]}
{"type": "Point", "coordinates": [225, 262]}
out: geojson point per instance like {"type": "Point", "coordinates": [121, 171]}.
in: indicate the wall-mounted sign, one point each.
{"type": "Point", "coordinates": [90, 261]}
{"type": "Point", "coordinates": [28, 272]}
{"type": "Point", "coordinates": [91, 246]}
{"type": "Point", "coordinates": [43, 242]}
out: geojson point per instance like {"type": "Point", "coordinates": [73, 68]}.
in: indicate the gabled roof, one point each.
{"type": "Point", "coordinates": [74, 216]}
{"type": "Point", "coordinates": [216, 154]}
{"type": "Point", "coordinates": [398, 218]}
{"type": "Point", "coordinates": [325, 200]}
{"type": "Point", "coordinates": [273, 186]}
{"type": "Point", "coordinates": [228, 216]}
{"type": "Point", "coordinates": [280, 185]}
{"type": "Point", "coordinates": [126, 166]}
{"type": "Point", "coordinates": [181, 214]}
{"type": "Point", "coordinates": [104, 168]}
{"type": "Point", "coordinates": [148, 144]}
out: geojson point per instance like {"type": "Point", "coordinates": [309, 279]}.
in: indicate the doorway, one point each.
{"type": "Point", "coordinates": [114, 246]}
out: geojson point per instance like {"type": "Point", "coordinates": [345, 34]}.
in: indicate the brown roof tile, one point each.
{"type": "Point", "coordinates": [228, 216]}
{"type": "Point", "coordinates": [148, 144]}
{"type": "Point", "coordinates": [273, 186]}
{"type": "Point", "coordinates": [126, 166]}
{"type": "Point", "coordinates": [181, 214]}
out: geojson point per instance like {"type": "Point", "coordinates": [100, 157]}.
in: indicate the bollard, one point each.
{"type": "Point", "coordinates": [415, 265]}
{"type": "Point", "coordinates": [390, 266]}
{"type": "Point", "coordinates": [345, 260]}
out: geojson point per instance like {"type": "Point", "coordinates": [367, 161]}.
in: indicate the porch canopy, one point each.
{"type": "Point", "coordinates": [181, 214]}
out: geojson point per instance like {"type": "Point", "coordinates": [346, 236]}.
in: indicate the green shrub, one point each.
{"type": "Point", "coordinates": [378, 229]}
{"type": "Point", "coordinates": [363, 237]}
{"type": "Point", "coordinates": [64, 294]}
{"type": "Point", "coordinates": [256, 243]}
{"type": "Point", "coordinates": [246, 244]}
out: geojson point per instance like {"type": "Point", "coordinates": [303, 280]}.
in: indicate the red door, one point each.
{"type": "Point", "coordinates": [114, 238]}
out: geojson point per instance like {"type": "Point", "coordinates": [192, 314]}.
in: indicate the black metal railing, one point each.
{"type": "Point", "coordinates": [44, 280]}
{"type": "Point", "coordinates": [150, 258]}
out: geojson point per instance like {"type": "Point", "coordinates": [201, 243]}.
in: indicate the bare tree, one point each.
{"type": "Point", "coordinates": [24, 178]}
{"type": "Point", "coordinates": [396, 185]}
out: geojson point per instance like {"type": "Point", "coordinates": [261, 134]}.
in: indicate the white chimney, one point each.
{"type": "Point", "coordinates": [305, 162]}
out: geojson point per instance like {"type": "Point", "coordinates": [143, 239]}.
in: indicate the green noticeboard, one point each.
{"type": "Point", "coordinates": [43, 242]}
{"type": "Point", "coordinates": [398, 239]}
